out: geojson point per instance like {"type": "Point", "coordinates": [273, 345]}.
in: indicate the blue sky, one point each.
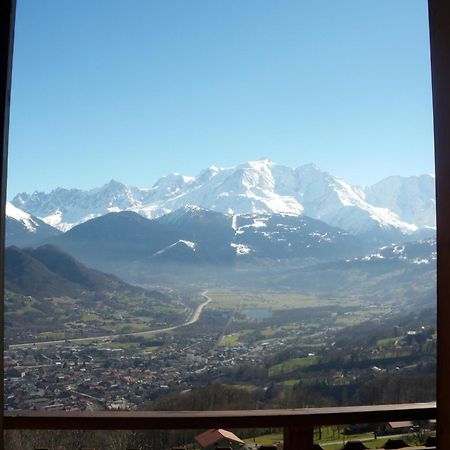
{"type": "Point", "coordinates": [135, 90]}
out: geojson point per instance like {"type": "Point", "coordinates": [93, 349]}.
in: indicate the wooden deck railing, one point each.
{"type": "Point", "coordinates": [298, 424]}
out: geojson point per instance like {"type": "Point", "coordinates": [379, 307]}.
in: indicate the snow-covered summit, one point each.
{"type": "Point", "coordinates": [412, 198]}
{"type": "Point", "coordinates": [254, 187]}
{"type": "Point", "coordinates": [21, 216]}
{"type": "Point", "coordinates": [23, 229]}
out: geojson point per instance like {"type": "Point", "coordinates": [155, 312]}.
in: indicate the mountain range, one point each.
{"type": "Point", "coordinates": [274, 251]}
{"type": "Point", "coordinates": [259, 222]}
{"type": "Point", "coordinates": [193, 235]}
{"type": "Point", "coordinates": [395, 207]}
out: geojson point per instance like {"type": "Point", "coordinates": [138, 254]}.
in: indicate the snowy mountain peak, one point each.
{"type": "Point", "coordinates": [411, 198]}
{"type": "Point", "coordinates": [114, 183]}
{"type": "Point", "coordinates": [180, 243]}
{"type": "Point", "coordinates": [22, 229]}
{"type": "Point", "coordinates": [208, 173]}
{"type": "Point", "coordinates": [111, 186]}
{"type": "Point", "coordinates": [192, 209]}
{"type": "Point", "coordinates": [173, 179]}
{"type": "Point", "coordinates": [21, 216]}
{"type": "Point", "coordinates": [259, 164]}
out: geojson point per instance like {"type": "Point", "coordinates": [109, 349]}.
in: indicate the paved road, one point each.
{"type": "Point", "coordinates": [194, 318]}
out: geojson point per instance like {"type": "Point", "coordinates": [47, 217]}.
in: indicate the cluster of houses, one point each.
{"type": "Point", "coordinates": [102, 376]}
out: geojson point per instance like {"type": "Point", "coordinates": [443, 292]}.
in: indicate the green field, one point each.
{"type": "Point", "coordinates": [229, 340]}
{"type": "Point", "coordinates": [330, 439]}
{"type": "Point", "coordinates": [388, 341]}
{"type": "Point", "coordinates": [222, 299]}
{"type": "Point", "coordinates": [246, 387]}
{"type": "Point", "coordinates": [292, 364]}
{"type": "Point", "coordinates": [273, 300]}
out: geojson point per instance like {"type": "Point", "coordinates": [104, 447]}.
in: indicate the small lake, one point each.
{"type": "Point", "coordinates": [258, 313]}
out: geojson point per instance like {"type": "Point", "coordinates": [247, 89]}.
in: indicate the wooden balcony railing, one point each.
{"type": "Point", "coordinates": [298, 424]}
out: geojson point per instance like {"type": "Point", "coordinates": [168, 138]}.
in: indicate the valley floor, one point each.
{"type": "Point", "coordinates": [272, 348]}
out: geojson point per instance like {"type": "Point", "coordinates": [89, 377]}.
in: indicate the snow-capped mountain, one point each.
{"type": "Point", "coordinates": [25, 219]}
{"type": "Point", "coordinates": [411, 198]}
{"type": "Point", "coordinates": [284, 236]}
{"type": "Point", "coordinates": [23, 229]}
{"type": "Point", "coordinates": [64, 208]}
{"type": "Point", "coordinates": [255, 187]}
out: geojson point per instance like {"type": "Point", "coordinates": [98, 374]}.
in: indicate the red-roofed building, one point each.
{"type": "Point", "coordinates": [399, 427]}
{"type": "Point", "coordinates": [212, 438]}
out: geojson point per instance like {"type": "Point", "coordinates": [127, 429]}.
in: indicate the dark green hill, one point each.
{"type": "Point", "coordinates": [121, 237]}
{"type": "Point", "coordinates": [28, 276]}
{"type": "Point", "coordinates": [72, 270]}
{"type": "Point", "coordinates": [49, 272]}
{"type": "Point", "coordinates": [126, 238]}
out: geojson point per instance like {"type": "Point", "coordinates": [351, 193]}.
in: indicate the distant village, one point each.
{"type": "Point", "coordinates": [114, 376]}
{"type": "Point", "coordinates": [91, 377]}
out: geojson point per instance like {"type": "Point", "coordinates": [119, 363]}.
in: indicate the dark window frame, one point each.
{"type": "Point", "coordinates": [7, 22]}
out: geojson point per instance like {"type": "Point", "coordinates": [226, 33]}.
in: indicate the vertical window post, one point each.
{"type": "Point", "coordinates": [439, 17]}
{"type": "Point", "coordinates": [298, 438]}
{"type": "Point", "coordinates": [7, 17]}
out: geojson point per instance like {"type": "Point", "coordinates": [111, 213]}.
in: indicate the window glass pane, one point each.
{"type": "Point", "coordinates": [220, 205]}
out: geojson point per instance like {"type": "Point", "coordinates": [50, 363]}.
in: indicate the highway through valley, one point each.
{"type": "Point", "coordinates": [194, 318]}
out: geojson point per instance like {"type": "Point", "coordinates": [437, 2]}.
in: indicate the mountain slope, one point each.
{"type": "Point", "coordinates": [49, 294]}
{"type": "Point", "coordinates": [27, 276]}
{"type": "Point", "coordinates": [124, 237]}
{"type": "Point", "coordinates": [196, 235]}
{"type": "Point", "coordinates": [406, 270]}
{"type": "Point", "coordinates": [411, 198]}
{"type": "Point", "coordinates": [70, 269]}
{"type": "Point", "coordinates": [208, 233]}
{"type": "Point", "coordinates": [49, 272]}
{"type": "Point", "coordinates": [23, 229]}
{"type": "Point", "coordinates": [121, 237]}
{"type": "Point", "coordinates": [283, 236]}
